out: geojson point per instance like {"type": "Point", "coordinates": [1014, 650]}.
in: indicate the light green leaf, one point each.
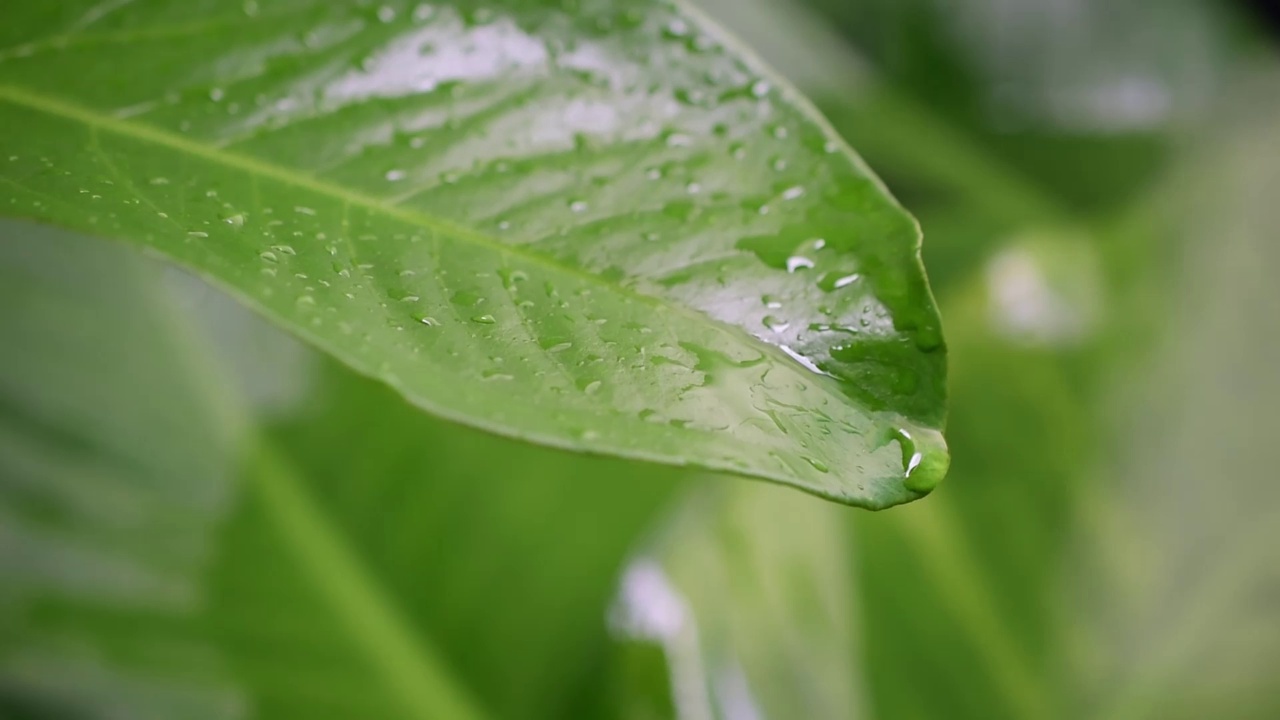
{"type": "Point", "coordinates": [739, 607]}
{"type": "Point", "coordinates": [1173, 574]}
{"type": "Point", "coordinates": [598, 226]}
{"type": "Point", "coordinates": [300, 543]}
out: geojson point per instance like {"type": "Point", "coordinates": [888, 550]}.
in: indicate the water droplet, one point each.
{"type": "Point", "coordinates": [775, 324]}
{"type": "Point", "coordinates": [578, 206]}
{"type": "Point", "coordinates": [592, 387]}
{"type": "Point", "coordinates": [198, 234]}
{"type": "Point", "coordinates": [806, 362]}
{"type": "Point", "coordinates": [760, 88]}
{"type": "Point", "coordinates": [236, 220]}
{"type": "Point", "coordinates": [386, 13]}
{"type": "Point", "coordinates": [770, 302]}
{"type": "Point", "coordinates": [836, 280]}
{"type": "Point", "coordinates": [818, 465]}
{"type": "Point", "coordinates": [429, 321]}
{"type": "Point", "coordinates": [304, 210]}
{"type": "Point", "coordinates": [159, 181]}
{"type": "Point", "coordinates": [484, 319]}
{"type": "Point", "coordinates": [798, 262]}
{"type": "Point", "coordinates": [792, 192]}
{"type": "Point", "coordinates": [924, 457]}
{"type": "Point", "coordinates": [928, 338]}
{"type": "Point", "coordinates": [268, 256]}
{"type": "Point", "coordinates": [395, 175]}
{"type": "Point", "coordinates": [511, 278]}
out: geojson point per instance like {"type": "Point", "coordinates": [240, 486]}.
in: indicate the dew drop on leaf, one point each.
{"type": "Point", "coordinates": [775, 324]}
{"type": "Point", "coordinates": [924, 457]}
{"type": "Point", "coordinates": [818, 465]}
{"type": "Point", "coordinates": [798, 262]}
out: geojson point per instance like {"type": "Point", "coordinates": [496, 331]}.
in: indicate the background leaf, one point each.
{"type": "Point", "coordinates": [178, 545]}
{"type": "Point", "coordinates": [738, 607]}
{"type": "Point", "coordinates": [1173, 573]}
{"type": "Point", "coordinates": [605, 228]}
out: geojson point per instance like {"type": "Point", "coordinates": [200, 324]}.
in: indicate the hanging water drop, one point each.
{"type": "Point", "coordinates": [924, 457]}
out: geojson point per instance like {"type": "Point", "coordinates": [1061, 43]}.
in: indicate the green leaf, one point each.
{"type": "Point", "coordinates": [506, 554]}
{"type": "Point", "coordinates": [298, 543]}
{"type": "Point", "coordinates": [595, 226]}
